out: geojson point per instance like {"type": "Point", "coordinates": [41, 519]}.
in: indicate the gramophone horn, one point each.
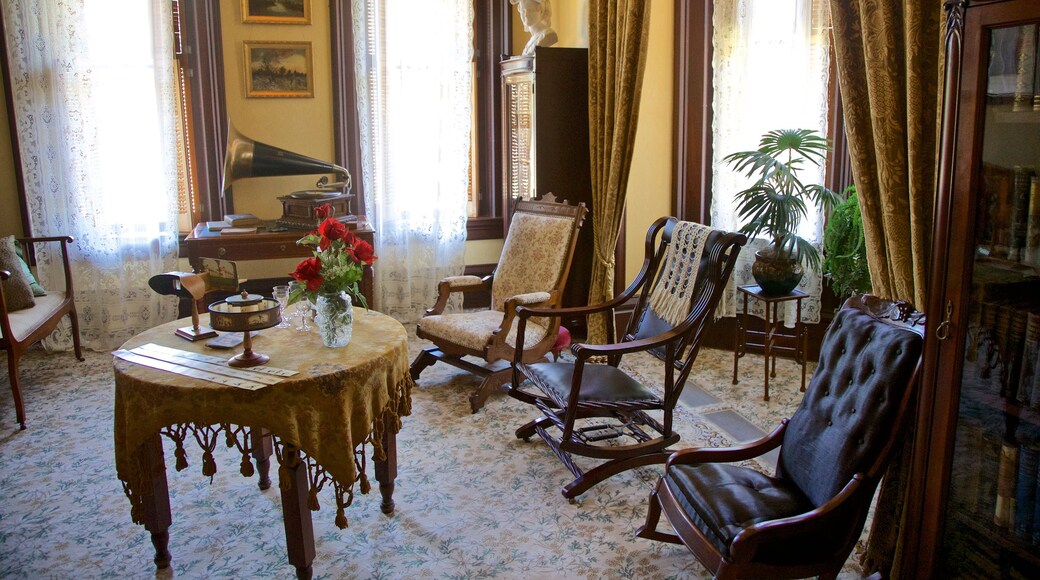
{"type": "Point", "coordinates": [247, 157]}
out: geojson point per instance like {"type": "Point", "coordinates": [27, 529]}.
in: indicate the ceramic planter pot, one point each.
{"type": "Point", "coordinates": [776, 271]}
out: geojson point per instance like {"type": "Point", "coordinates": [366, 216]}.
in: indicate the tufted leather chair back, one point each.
{"type": "Point", "coordinates": [846, 419]}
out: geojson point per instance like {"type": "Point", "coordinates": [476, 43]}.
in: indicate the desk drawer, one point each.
{"type": "Point", "coordinates": [253, 249]}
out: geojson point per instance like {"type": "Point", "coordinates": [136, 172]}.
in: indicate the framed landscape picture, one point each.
{"type": "Point", "coordinates": [279, 69]}
{"type": "Point", "coordinates": [276, 11]}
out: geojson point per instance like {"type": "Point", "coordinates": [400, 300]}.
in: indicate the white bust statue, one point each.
{"type": "Point", "coordinates": [535, 15]}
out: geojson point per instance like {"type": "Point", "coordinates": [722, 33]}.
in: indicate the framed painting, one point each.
{"type": "Point", "coordinates": [279, 69]}
{"type": "Point", "coordinates": [276, 11]}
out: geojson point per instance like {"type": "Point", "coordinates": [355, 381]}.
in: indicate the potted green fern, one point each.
{"type": "Point", "coordinates": [845, 248]}
{"type": "Point", "coordinates": [777, 201]}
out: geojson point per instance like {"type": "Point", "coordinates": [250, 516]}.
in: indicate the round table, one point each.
{"type": "Point", "coordinates": [339, 401]}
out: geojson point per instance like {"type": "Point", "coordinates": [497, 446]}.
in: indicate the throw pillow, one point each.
{"type": "Point", "coordinates": [17, 292]}
{"type": "Point", "coordinates": [36, 288]}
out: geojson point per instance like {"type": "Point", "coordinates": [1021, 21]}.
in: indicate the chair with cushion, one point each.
{"type": "Point", "coordinates": [805, 518]}
{"type": "Point", "coordinates": [624, 422]}
{"type": "Point", "coordinates": [532, 270]}
{"type": "Point", "coordinates": [25, 318]}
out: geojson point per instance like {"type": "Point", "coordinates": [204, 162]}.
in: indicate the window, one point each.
{"type": "Point", "coordinates": [697, 163]}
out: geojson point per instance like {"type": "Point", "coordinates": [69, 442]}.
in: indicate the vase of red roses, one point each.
{"type": "Point", "coordinates": [331, 276]}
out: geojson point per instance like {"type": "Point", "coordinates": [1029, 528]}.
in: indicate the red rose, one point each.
{"type": "Point", "coordinates": [364, 252]}
{"type": "Point", "coordinates": [350, 239]}
{"type": "Point", "coordinates": [332, 229]}
{"type": "Point", "coordinates": [323, 212]}
{"type": "Point", "coordinates": [309, 271]}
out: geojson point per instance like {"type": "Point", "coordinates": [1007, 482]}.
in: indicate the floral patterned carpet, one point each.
{"type": "Point", "coordinates": [472, 500]}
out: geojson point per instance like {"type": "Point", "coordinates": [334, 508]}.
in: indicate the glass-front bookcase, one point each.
{"type": "Point", "coordinates": [982, 397]}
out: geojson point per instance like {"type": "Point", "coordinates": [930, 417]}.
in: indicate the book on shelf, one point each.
{"type": "Point", "coordinates": [1019, 212]}
{"type": "Point", "coordinates": [1030, 352]}
{"type": "Point", "coordinates": [1025, 490]}
{"type": "Point", "coordinates": [241, 220]}
{"type": "Point", "coordinates": [1031, 254]}
{"type": "Point", "coordinates": [217, 226]}
{"type": "Point", "coordinates": [238, 231]}
{"type": "Point", "coordinates": [1007, 470]}
{"type": "Point", "coordinates": [1025, 68]}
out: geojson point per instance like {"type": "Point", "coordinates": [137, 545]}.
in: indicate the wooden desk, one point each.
{"type": "Point", "coordinates": [317, 423]}
{"type": "Point", "coordinates": [772, 338]}
{"type": "Point", "coordinates": [264, 245]}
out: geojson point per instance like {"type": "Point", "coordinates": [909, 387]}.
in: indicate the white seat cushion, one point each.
{"type": "Point", "coordinates": [24, 321]}
{"type": "Point", "coordinates": [473, 329]}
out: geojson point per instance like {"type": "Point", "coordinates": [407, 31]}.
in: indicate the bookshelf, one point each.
{"type": "Point", "coordinates": [975, 479]}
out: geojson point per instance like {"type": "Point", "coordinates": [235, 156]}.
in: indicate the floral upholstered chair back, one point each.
{"type": "Point", "coordinates": [534, 256]}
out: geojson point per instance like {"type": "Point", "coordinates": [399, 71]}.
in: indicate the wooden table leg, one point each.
{"type": "Point", "coordinates": [262, 446]}
{"type": "Point", "coordinates": [739, 340]}
{"type": "Point", "coordinates": [299, 531]}
{"type": "Point", "coordinates": [156, 502]}
{"type": "Point", "coordinates": [803, 341]}
{"type": "Point", "coordinates": [386, 471]}
{"type": "Point", "coordinates": [767, 348]}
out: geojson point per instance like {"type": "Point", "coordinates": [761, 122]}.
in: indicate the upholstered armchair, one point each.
{"type": "Point", "coordinates": [532, 271]}
{"type": "Point", "coordinates": [26, 320]}
{"type": "Point", "coordinates": [804, 519]}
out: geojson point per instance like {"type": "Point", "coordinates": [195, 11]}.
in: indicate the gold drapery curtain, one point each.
{"type": "Point", "coordinates": [888, 55]}
{"type": "Point", "coordinates": [618, 31]}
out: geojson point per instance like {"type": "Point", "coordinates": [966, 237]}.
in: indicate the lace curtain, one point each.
{"type": "Point", "coordinates": [414, 90]}
{"type": "Point", "coordinates": [92, 88]}
{"type": "Point", "coordinates": [771, 69]}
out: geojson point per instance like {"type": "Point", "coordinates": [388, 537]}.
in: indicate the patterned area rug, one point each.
{"type": "Point", "coordinates": [472, 500]}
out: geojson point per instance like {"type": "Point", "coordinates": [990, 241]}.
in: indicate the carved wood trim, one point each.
{"type": "Point", "coordinates": [204, 64]}
{"type": "Point", "coordinates": [346, 132]}
{"type": "Point", "coordinates": [691, 151]}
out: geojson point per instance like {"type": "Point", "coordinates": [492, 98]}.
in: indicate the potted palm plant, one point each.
{"type": "Point", "coordinates": [777, 201]}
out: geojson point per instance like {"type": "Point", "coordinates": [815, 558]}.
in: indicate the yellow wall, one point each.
{"type": "Point", "coordinates": [650, 182]}
{"type": "Point", "coordinates": [300, 125]}
{"type": "Point", "coordinates": [11, 216]}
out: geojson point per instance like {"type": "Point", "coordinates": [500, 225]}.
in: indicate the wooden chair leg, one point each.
{"type": "Point", "coordinates": [16, 387]}
{"type": "Point", "coordinates": [490, 384]}
{"type": "Point", "coordinates": [74, 319]}
{"type": "Point", "coordinates": [653, 518]}
{"type": "Point", "coordinates": [425, 359]}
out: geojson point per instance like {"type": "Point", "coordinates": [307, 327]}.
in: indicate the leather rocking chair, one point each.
{"type": "Point", "coordinates": [805, 519]}
{"type": "Point", "coordinates": [532, 270]}
{"type": "Point", "coordinates": [677, 290]}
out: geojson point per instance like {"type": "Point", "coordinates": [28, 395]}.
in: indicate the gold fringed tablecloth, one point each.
{"type": "Point", "coordinates": [341, 399]}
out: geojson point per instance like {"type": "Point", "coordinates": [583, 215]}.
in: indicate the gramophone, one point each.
{"type": "Point", "coordinates": [247, 157]}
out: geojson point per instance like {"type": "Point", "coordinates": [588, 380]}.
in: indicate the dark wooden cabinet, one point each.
{"type": "Point", "coordinates": [546, 142]}
{"type": "Point", "coordinates": [974, 510]}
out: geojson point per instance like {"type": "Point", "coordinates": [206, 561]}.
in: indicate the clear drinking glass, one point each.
{"type": "Point", "coordinates": [281, 294]}
{"type": "Point", "coordinates": [303, 313]}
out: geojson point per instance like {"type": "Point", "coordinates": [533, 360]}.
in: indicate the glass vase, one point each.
{"type": "Point", "coordinates": [335, 318]}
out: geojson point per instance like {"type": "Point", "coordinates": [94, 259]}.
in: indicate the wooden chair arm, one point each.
{"type": "Point", "coordinates": [729, 454]}
{"type": "Point", "coordinates": [30, 240]}
{"type": "Point", "coordinates": [829, 516]}
{"type": "Point", "coordinates": [452, 284]}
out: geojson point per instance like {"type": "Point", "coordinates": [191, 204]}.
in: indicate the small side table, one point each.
{"type": "Point", "coordinates": [772, 338]}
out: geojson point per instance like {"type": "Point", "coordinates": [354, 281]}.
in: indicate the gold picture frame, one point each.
{"type": "Point", "coordinates": [279, 69]}
{"type": "Point", "coordinates": [276, 11]}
